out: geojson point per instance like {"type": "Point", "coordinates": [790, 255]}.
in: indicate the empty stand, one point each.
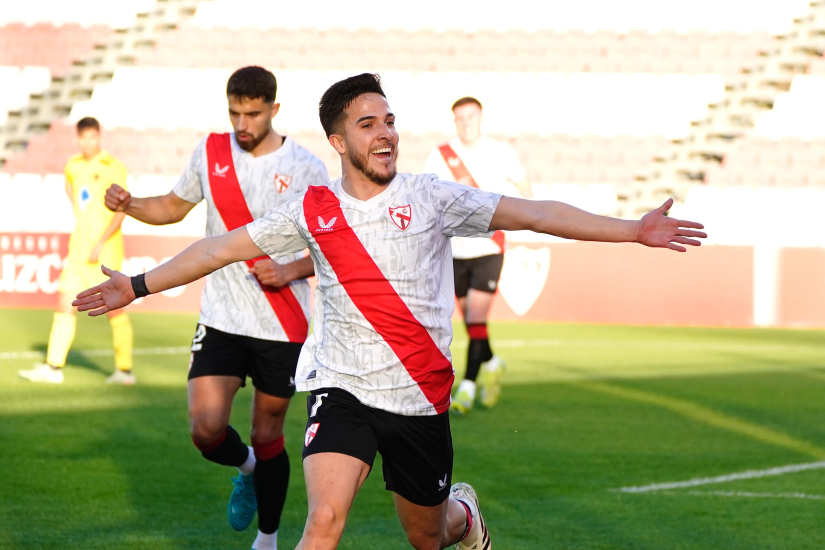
{"type": "Point", "coordinates": [514, 103]}
{"type": "Point", "coordinates": [547, 159]}
{"type": "Point", "coordinates": [46, 45]}
{"type": "Point", "coordinates": [17, 85]}
{"type": "Point", "coordinates": [428, 51]}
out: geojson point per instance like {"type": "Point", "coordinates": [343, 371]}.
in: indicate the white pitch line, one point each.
{"type": "Point", "coordinates": [509, 343]}
{"type": "Point", "coordinates": [747, 494]}
{"type": "Point", "coordinates": [750, 474]}
{"type": "Point", "coordinates": [647, 344]}
{"type": "Point", "coordinates": [95, 353]}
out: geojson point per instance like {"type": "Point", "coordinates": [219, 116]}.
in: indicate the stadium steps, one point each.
{"type": "Point", "coordinates": [85, 73]}
{"type": "Point", "coordinates": [45, 45]}
{"type": "Point", "coordinates": [698, 157]}
{"type": "Point", "coordinates": [664, 52]}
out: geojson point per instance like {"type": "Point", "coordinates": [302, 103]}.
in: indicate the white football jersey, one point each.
{"type": "Point", "coordinates": [232, 300]}
{"type": "Point", "coordinates": [384, 301]}
{"type": "Point", "coordinates": [495, 167]}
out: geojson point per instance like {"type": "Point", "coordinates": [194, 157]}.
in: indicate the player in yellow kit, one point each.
{"type": "Point", "coordinates": [96, 240]}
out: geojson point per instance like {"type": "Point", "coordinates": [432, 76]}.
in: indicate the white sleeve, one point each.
{"type": "Point", "coordinates": [465, 211]}
{"type": "Point", "coordinates": [515, 171]}
{"type": "Point", "coordinates": [277, 233]}
{"type": "Point", "coordinates": [189, 186]}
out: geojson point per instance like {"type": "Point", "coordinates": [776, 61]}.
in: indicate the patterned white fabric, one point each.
{"type": "Point", "coordinates": [232, 300]}
{"type": "Point", "coordinates": [345, 351]}
{"type": "Point", "coordinates": [495, 167]}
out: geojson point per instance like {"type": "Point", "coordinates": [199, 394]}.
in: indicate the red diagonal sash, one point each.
{"type": "Point", "coordinates": [463, 175]}
{"type": "Point", "coordinates": [230, 202]}
{"type": "Point", "coordinates": [375, 297]}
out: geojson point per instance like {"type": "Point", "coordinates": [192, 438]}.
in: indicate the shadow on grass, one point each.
{"type": "Point", "coordinates": [76, 359]}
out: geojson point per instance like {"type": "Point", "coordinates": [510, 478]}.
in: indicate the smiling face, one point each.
{"type": "Point", "coordinates": [468, 123]}
{"type": "Point", "coordinates": [369, 140]}
{"type": "Point", "coordinates": [251, 119]}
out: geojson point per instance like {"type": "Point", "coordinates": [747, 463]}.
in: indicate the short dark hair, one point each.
{"type": "Point", "coordinates": [466, 101]}
{"type": "Point", "coordinates": [87, 123]}
{"type": "Point", "coordinates": [252, 83]}
{"type": "Point", "coordinates": [340, 95]}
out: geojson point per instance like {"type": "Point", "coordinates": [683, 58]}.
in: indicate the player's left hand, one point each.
{"type": "Point", "coordinates": [113, 294]}
{"type": "Point", "coordinates": [270, 272]}
{"type": "Point", "coordinates": [660, 231]}
{"type": "Point", "coordinates": [94, 255]}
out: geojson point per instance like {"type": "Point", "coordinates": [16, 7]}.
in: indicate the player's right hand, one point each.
{"type": "Point", "coordinates": [117, 198]}
{"type": "Point", "coordinates": [113, 294]}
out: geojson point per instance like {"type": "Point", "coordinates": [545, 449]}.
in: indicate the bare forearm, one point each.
{"type": "Point", "coordinates": [562, 220]}
{"type": "Point", "coordinates": [112, 228]}
{"type": "Point", "coordinates": [569, 222]}
{"type": "Point", "coordinates": [201, 259]}
{"type": "Point", "coordinates": [302, 269]}
{"type": "Point", "coordinates": [160, 210]}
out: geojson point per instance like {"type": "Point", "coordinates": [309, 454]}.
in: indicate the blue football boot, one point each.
{"type": "Point", "coordinates": [242, 502]}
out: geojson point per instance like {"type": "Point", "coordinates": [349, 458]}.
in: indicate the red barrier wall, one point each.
{"type": "Point", "coordinates": [30, 266]}
{"type": "Point", "coordinates": [801, 299]}
{"type": "Point", "coordinates": [563, 282]}
{"type": "Point", "coordinates": [626, 283]}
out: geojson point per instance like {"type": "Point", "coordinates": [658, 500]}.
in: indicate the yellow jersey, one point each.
{"type": "Point", "coordinates": [89, 180]}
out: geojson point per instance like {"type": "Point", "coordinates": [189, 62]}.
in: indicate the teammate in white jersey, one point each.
{"type": "Point", "coordinates": [473, 159]}
{"type": "Point", "coordinates": [254, 318]}
{"type": "Point", "coordinates": [379, 364]}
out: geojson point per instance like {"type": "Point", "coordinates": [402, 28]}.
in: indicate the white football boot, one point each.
{"type": "Point", "coordinates": [478, 538]}
{"type": "Point", "coordinates": [43, 372]}
{"type": "Point", "coordinates": [121, 377]}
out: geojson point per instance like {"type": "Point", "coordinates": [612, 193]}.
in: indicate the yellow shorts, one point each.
{"type": "Point", "coordinates": [78, 275]}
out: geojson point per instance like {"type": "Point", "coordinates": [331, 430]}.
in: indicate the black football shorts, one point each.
{"type": "Point", "coordinates": [269, 363]}
{"type": "Point", "coordinates": [417, 451]}
{"type": "Point", "coordinates": [478, 273]}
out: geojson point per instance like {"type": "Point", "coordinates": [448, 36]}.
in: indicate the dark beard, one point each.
{"type": "Point", "coordinates": [252, 143]}
{"type": "Point", "coordinates": [361, 164]}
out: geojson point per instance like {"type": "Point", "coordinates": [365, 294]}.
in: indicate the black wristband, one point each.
{"type": "Point", "coordinates": [139, 286]}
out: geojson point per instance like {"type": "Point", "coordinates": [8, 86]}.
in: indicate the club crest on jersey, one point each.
{"type": "Point", "coordinates": [310, 435]}
{"type": "Point", "coordinates": [454, 161]}
{"type": "Point", "coordinates": [282, 182]}
{"type": "Point", "coordinates": [401, 216]}
{"type": "Point", "coordinates": [220, 172]}
{"type": "Point", "coordinates": [85, 197]}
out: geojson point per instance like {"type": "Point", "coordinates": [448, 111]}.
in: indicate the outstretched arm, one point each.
{"type": "Point", "coordinates": [199, 260]}
{"type": "Point", "coordinates": [161, 210]}
{"type": "Point", "coordinates": [560, 219]}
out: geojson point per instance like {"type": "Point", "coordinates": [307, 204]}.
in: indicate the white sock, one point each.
{"type": "Point", "coordinates": [468, 386]}
{"type": "Point", "coordinates": [493, 364]}
{"type": "Point", "coordinates": [249, 466]}
{"type": "Point", "coordinates": [266, 542]}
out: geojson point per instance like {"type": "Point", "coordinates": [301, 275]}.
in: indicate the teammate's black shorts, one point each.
{"type": "Point", "coordinates": [417, 451]}
{"type": "Point", "coordinates": [479, 273]}
{"type": "Point", "coordinates": [270, 364]}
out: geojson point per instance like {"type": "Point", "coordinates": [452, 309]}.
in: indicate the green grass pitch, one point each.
{"type": "Point", "coordinates": [586, 410]}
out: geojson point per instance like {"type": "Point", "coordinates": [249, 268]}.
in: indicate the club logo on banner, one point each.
{"type": "Point", "coordinates": [523, 277]}
{"type": "Point", "coordinates": [401, 216]}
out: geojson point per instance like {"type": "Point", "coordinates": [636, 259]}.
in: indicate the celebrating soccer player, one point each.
{"type": "Point", "coordinates": [473, 159]}
{"type": "Point", "coordinates": [378, 362]}
{"type": "Point", "coordinates": [95, 240]}
{"type": "Point", "coordinates": [254, 315]}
